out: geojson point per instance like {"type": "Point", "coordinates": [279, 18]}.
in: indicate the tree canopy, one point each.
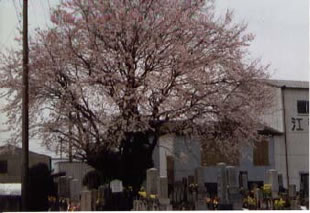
{"type": "Point", "coordinates": [109, 69]}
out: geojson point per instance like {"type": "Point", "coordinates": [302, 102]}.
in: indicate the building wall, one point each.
{"type": "Point", "coordinates": [273, 116]}
{"type": "Point", "coordinates": [187, 156]}
{"type": "Point", "coordinates": [77, 170]}
{"type": "Point", "coordinates": [13, 158]}
{"type": "Point", "coordinates": [297, 136]}
{"type": "Point", "coordinates": [255, 173]}
{"type": "Point", "coordinates": [163, 149]}
{"type": "Point", "coordinates": [185, 152]}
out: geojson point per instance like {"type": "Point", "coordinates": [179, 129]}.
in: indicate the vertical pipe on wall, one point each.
{"type": "Point", "coordinates": [285, 137]}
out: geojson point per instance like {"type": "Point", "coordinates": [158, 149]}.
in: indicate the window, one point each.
{"type": "Point", "coordinates": [3, 166]}
{"type": "Point", "coordinates": [261, 154]}
{"type": "Point", "coordinates": [303, 107]}
{"type": "Point", "coordinates": [212, 155]}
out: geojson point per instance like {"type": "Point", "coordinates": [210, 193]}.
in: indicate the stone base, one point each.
{"type": "Point", "coordinates": [294, 205]}
{"type": "Point", "coordinates": [165, 207]}
{"type": "Point", "coordinates": [236, 200]}
{"type": "Point", "coordinates": [225, 207]}
{"type": "Point", "coordinates": [164, 204]}
{"type": "Point", "coordinates": [275, 195]}
{"type": "Point", "coordinates": [164, 201]}
{"type": "Point", "coordinates": [200, 205]}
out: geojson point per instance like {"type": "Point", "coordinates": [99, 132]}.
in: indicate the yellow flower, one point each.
{"type": "Point", "coordinates": [152, 196]}
{"type": "Point", "coordinates": [279, 203]}
{"type": "Point", "coordinates": [251, 201]}
{"type": "Point", "coordinates": [267, 188]}
{"type": "Point", "coordinates": [142, 194]}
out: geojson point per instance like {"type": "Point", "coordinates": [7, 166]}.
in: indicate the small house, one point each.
{"type": "Point", "coordinates": [11, 162]}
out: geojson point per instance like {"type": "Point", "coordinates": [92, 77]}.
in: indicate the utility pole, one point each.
{"type": "Point", "coordinates": [25, 116]}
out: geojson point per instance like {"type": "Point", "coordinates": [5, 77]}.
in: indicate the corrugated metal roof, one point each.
{"type": "Point", "coordinates": [11, 148]}
{"type": "Point", "coordinates": [10, 189]}
{"type": "Point", "coordinates": [288, 84]}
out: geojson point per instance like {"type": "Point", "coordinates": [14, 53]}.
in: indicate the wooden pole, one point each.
{"type": "Point", "coordinates": [25, 116]}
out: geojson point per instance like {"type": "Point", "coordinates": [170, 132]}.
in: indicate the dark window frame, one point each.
{"type": "Point", "coordinates": [302, 107]}
{"type": "Point", "coordinates": [214, 156]}
{"type": "Point", "coordinates": [261, 153]}
{"type": "Point", "coordinates": [3, 166]}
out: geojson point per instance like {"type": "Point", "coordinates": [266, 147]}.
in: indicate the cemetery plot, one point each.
{"type": "Point", "coordinates": [188, 194]}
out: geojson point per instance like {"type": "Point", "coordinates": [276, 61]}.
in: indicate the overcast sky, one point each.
{"type": "Point", "coordinates": [281, 28]}
{"type": "Point", "coordinates": [282, 33]}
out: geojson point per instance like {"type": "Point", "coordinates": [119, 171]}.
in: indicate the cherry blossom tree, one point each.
{"type": "Point", "coordinates": [108, 72]}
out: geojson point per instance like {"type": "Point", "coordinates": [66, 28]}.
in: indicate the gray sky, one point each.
{"type": "Point", "coordinates": [282, 33]}
{"type": "Point", "coordinates": [281, 28]}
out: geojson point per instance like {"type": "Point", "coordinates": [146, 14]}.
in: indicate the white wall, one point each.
{"type": "Point", "coordinates": [163, 149]}
{"type": "Point", "coordinates": [273, 117]}
{"type": "Point", "coordinates": [185, 151]}
{"type": "Point", "coordinates": [297, 138]}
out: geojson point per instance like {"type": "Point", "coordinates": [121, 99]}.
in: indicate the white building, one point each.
{"type": "Point", "coordinates": [290, 116]}
{"type": "Point", "coordinates": [286, 146]}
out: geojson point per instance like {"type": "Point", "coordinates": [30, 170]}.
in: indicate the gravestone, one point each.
{"type": "Point", "coordinates": [185, 186]}
{"type": "Point", "coordinates": [63, 187]}
{"type": "Point", "coordinates": [292, 191]}
{"type": "Point", "coordinates": [191, 179]}
{"type": "Point", "coordinates": [151, 181]}
{"type": "Point", "coordinates": [154, 207]}
{"type": "Point", "coordinates": [258, 195]}
{"type": "Point", "coordinates": [294, 205]}
{"type": "Point", "coordinates": [164, 201]}
{"type": "Point", "coordinates": [280, 181]}
{"type": "Point", "coordinates": [200, 203]}
{"type": "Point", "coordinates": [139, 205]}
{"type": "Point", "coordinates": [232, 176]}
{"type": "Point", "coordinates": [222, 183]}
{"type": "Point", "coordinates": [177, 191]}
{"type": "Point", "coordinates": [74, 190]}
{"type": "Point", "coordinates": [86, 200]}
{"type": "Point", "coordinates": [199, 177]}
{"type": "Point", "coordinates": [244, 180]}
{"type": "Point", "coordinates": [190, 184]}
{"type": "Point", "coordinates": [69, 179]}
{"type": "Point", "coordinates": [272, 178]}
{"type": "Point", "coordinates": [234, 196]}
{"type": "Point", "coordinates": [101, 195]}
{"type": "Point", "coordinates": [134, 206]}
{"type": "Point", "coordinates": [116, 186]}
{"type": "Point", "coordinates": [163, 188]}
{"type": "Point", "coordinates": [94, 195]}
